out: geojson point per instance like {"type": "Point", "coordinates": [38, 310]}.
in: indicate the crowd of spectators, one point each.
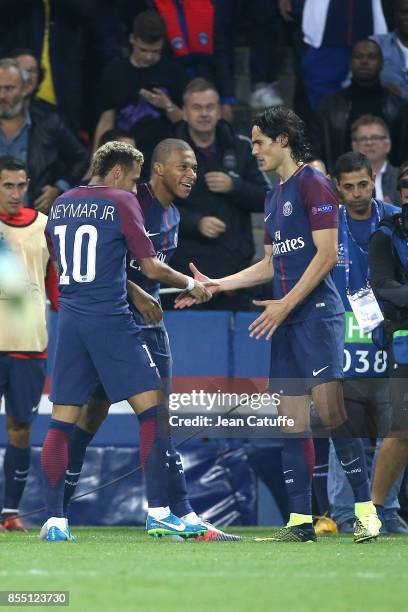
{"type": "Point", "coordinates": [75, 70]}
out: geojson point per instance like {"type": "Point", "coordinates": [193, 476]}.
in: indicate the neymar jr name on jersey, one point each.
{"type": "Point", "coordinates": [83, 210]}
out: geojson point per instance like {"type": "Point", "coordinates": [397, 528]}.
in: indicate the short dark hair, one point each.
{"type": "Point", "coordinates": [113, 134]}
{"type": "Point", "coordinates": [372, 42]}
{"type": "Point", "coordinates": [112, 153]}
{"type": "Point", "coordinates": [165, 148]}
{"type": "Point", "coordinates": [403, 183]}
{"type": "Point", "coordinates": [149, 26]}
{"type": "Point", "coordinates": [198, 85]}
{"type": "Point", "coordinates": [403, 176]}
{"type": "Point", "coordinates": [12, 164]}
{"type": "Point", "coordinates": [369, 120]}
{"type": "Point", "coordinates": [403, 168]}
{"type": "Point", "coordinates": [283, 121]}
{"type": "Point", "coordinates": [351, 162]}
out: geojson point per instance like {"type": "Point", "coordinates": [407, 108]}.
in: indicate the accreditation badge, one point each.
{"type": "Point", "coordinates": [366, 309]}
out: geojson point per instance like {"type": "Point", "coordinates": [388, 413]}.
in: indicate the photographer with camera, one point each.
{"type": "Point", "coordinates": [388, 260]}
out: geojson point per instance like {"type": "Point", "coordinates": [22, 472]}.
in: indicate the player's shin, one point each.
{"type": "Point", "coordinates": [350, 452]}
{"type": "Point", "coordinates": [78, 443]}
{"type": "Point", "coordinates": [54, 462]}
{"type": "Point", "coordinates": [298, 463]}
{"type": "Point", "coordinates": [16, 468]}
{"type": "Point", "coordinates": [320, 474]}
{"type": "Point", "coordinates": [154, 458]}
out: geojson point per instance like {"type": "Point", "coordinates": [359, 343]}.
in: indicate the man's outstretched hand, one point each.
{"type": "Point", "coordinates": [187, 298]}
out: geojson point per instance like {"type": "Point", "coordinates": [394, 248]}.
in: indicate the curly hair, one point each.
{"type": "Point", "coordinates": [112, 153]}
{"type": "Point", "coordinates": [282, 121]}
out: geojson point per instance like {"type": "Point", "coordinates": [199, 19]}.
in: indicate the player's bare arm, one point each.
{"type": "Point", "coordinates": [155, 269]}
{"type": "Point", "coordinates": [257, 274]}
{"type": "Point", "coordinates": [146, 304]}
{"type": "Point", "coordinates": [276, 311]}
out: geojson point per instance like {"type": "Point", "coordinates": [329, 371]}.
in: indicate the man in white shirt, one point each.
{"type": "Point", "coordinates": [370, 135]}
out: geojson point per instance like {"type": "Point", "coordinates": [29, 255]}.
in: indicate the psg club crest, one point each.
{"type": "Point", "coordinates": [287, 209]}
{"type": "Point", "coordinates": [177, 42]}
{"type": "Point", "coordinates": [203, 38]}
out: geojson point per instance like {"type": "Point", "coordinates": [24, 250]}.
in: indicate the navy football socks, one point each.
{"type": "Point", "coordinates": [298, 463]}
{"type": "Point", "coordinates": [54, 462]}
{"type": "Point", "coordinates": [155, 454]}
{"type": "Point", "coordinates": [178, 495]}
{"type": "Point", "coordinates": [320, 473]}
{"type": "Point", "coordinates": [350, 453]}
{"type": "Point", "coordinates": [16, 468]}
{"type": "Point", "coordinates": [78, 443]}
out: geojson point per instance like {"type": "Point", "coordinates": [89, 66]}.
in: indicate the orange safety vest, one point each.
{"type": "Point", "coordinates": [197, 37]}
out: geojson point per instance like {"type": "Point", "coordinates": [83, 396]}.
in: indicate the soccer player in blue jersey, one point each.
{"type": "Point", "coordinates": [174, 173]}
{"type": "Point", "coordinates": [91, 229]}
{"type": "Point", "coordinates": [305, 320]}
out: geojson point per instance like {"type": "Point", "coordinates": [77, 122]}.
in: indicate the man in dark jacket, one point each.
{"type": "Point", "coordinates": [215, 229]}
{"type": "Point", "coordinates": [337, 112]}
{"type": "Point", "coordinates": [56, 160]}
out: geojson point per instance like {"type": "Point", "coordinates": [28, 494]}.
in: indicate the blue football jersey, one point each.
{"type": "Point", "coordinates": [92, 229]}
{"type": "Point", "coordinates": [293, 210]}
{"type": "Point", "coordinates": [162, 227]}
{"type": "Point", "coordinates": [361, 356]}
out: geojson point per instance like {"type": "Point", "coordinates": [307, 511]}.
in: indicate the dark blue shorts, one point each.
{"type": "Point", "coordinates": [21, 384]}
{"type": "Point", "coordinates": [306, 354]}
{"type": "Point", "coordinates": [157, 342]}
{"type": "Point", "coordinates": [97, 349]}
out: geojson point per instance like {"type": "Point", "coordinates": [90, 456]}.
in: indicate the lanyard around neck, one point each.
{"type": "Point", "coordinates": [375, 220]}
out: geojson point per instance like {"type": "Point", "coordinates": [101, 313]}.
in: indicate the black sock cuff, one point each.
{"type": "Point", "coordinates": [62, 426]}
{"type": "Point", "coordinates": [82, 434]}
{"type": "Point", "coordinates": [155, 412]}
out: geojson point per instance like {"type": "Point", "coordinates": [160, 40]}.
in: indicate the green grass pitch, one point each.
{"type": "Point", "coordinates": [122, 569]}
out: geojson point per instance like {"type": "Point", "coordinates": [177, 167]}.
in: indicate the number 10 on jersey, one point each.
{"type": "Point", "coordinates": [75, 265]}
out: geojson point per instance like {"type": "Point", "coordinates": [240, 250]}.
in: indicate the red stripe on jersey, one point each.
{"type": "Point", "coordinates": [167, 224]}
{"type": "Point", "coordinates": [281, 264]}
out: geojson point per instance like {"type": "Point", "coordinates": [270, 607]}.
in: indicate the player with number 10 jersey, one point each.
{"type": "Point", "coordinates": [92, 228]}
